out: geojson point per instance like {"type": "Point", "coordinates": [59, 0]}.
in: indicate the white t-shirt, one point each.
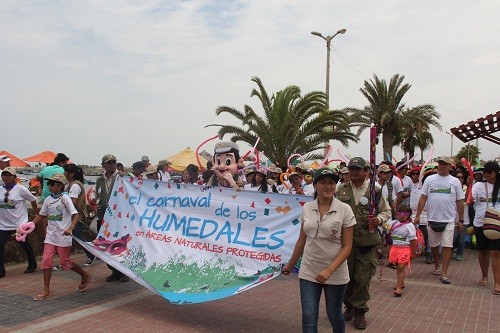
{"type": "Point", "coordinates": [479, 194]}
{"type": "Point", "coordinates": [164, 176]}
{"type": "Point", "coordinates": [74, 191]}
{"type": "Point", "coordinates": [385, 194]}
{"type": "Point", "coordinates": [14, 212]}
{"type": "Point", "coordinates": [398, 187]}
{"type": "Point", "coordinates": [402, 235]}
{"type": "Point", "coordinates": [249, 187]}
{"type": "Point", "coordinates": [324, 240]}
{"type": "Point", "coordinates": [442, 193]}
{"type": "Point", "coordinates": [407, 187]}
{"type": "Point", "coordinates": [308, 189]}
{"type": "Point", "coordinates": [414, 198]}
{"type": "Point", "coordinates": [58, 212]}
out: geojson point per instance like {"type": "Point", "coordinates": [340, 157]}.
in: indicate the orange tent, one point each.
{"type": "Point", "coordinates": [14, 160]}
{"type": "Point", "coordinates": [46, 157]}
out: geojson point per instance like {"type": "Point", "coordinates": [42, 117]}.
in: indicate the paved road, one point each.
{"type": "Point", "coordinates": [426, 306]}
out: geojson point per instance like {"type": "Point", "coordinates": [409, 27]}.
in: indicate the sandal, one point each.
{"type": "Point", "coordinates": [403, 287]}
{"type": "Point", "coordinates": [41, 297]}
{"type": "Point", "coordinates": [84, 286]}
{"type": "Point", "coordinates": [436, 272]}
{"type": "Point", "coordinates": [398, 293]}
{"type": "Point", "coordinates": [496, 291]}
{"type": "Point", "coordinates": [482, 283]}
{"type": "Point", "coordinates": [445, 280]}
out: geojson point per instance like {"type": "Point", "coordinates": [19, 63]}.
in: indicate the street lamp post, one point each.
{"type": "Point", "coordinates": [328, 40]}
{"type": "Point", "coordinates": [451, 135]}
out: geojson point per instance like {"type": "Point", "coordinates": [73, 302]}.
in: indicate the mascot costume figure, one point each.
{"type": "Point", "coordinates": [227, 161]}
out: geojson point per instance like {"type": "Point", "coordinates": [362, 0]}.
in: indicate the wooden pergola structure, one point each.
{"type": "Point", "coordinates": [481, 128]}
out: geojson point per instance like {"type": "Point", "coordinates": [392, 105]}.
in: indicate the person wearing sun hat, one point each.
{"type": "Point", "coordinates": [13, 213]}
{"type": "Point", "coordinates": [325, 241]}
{"type": "Point", "coordinates": [103, 186]}
{"type": "Point", "coordinates": [444, 197]}
{"type": "Point", "coordinates": [63, 217]}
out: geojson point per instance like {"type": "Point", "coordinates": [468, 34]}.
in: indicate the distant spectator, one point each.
{"type": "Point", "coordinates": [163, 174]}
{"type": "Point", "coordinates": [138, 169]}
{"type": "Point", "coordinates": [145, 160]}
{"type": "Point", "coordinates": [151, 172]}
{"type": "Point", "coordinates": [120, 168]}
{"type": "Point", "coordinates": [193, 173]}
{"type": "Point", "coordinates": [55, 167]}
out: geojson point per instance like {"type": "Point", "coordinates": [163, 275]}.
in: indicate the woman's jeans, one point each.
{"type": "Point", "coordinates": [4, 236]}
{"type": "Point", "coordinates": [310, 294]}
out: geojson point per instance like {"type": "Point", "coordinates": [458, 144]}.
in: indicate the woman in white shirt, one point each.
{"type": "Point", "coordinates": [325, 242]}
{"type": "Point", "coordinates": [486, 194]}
{"type": "Point", "coordinates": [13, 213]}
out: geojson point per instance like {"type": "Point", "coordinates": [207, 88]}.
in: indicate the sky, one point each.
{"type": "Point", "coordinates": [137, 78]}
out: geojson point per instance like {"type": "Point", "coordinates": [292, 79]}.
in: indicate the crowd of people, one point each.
{"type": "Point", "coordinates": [340, 240]}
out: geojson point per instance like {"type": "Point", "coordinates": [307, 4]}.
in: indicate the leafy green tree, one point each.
{"type": "Point", "coordinates": [387, 111]}
{"type": "Point", "coordinates": [291, 123]}
{"type": "Point", "coordinates": [415, 128]}
{"type": "Point", "coordinates": [470, 152]}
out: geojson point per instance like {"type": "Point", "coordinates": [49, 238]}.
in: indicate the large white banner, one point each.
{"type": "Point", "coordinates": [193, 243]}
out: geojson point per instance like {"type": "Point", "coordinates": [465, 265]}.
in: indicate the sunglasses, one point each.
{"type": "Point", "coordinates": [415, 174]}
{"type": "Point", "coordinates": [460, 177]}
{"type": "Point", "coordinates": [52, 183]}
{"type": "Point", "coordinates": [6, 199]}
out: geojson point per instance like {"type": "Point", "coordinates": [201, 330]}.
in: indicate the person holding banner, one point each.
{"type": "Point", "coordinates": [324, 243]}
{"type": "Point", "coordinates": [103, 186]}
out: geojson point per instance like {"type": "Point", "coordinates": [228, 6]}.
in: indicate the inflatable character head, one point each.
{"type": "Point", "coordinates": [226, 157]}
{"type": "Point", "coordinates": [227, 161]}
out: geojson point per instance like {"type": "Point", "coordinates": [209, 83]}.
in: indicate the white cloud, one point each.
{"type": "Point", "coordinates": [134, 78]}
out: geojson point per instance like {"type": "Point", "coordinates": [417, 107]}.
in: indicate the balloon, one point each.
{"type": "Point", "coordinates": [423, 167]}
{"type": "Point", "coordinates": [23, 230]}
{"type": "Point", "coordinates": [284, 180]}
{"type": "Point", "coordinates": [202, 168]}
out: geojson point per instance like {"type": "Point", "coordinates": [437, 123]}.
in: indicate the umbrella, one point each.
{"type": "Point", "coordinates": [14, 160]}
{"type": "Point", "coordinates": [46, 157]}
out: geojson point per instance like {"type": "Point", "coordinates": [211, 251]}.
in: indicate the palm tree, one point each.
{"type": "Point", "coordinates": [387, 111]}
{"type": "Point", "coordinates": [415, 126]}
{"type": "Point", "coordinates": [291, 123]}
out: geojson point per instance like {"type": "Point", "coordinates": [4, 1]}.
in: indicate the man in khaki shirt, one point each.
{"type": "Point", "coordinates": [362, 261]}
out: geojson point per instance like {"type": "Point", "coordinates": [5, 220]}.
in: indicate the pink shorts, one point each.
{"type": "Point", "coordinates": [63, 252]}
{"type": "Point", "coordinates": [400, 254]}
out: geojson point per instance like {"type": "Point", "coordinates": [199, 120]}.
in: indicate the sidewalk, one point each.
{"type": "Point", "coordinates": [426, 306]}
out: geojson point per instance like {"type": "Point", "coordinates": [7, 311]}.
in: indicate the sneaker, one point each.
{"type": "Point", "coordinates": [459, 257]}
{"type": "Point", "coordinates": [89, 262]}
{"type": "Point", "coordinates": [454, 256]}
{"type": "Point", "coordinates": [57, 268]}
{"type": "Point", "coordinates": [429, 259]}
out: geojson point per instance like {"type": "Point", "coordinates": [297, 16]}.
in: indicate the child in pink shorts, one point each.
{"type": "Point", "coordinates": [62, 217]}
{"type": "Point", "coordinates": [404, 247]}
